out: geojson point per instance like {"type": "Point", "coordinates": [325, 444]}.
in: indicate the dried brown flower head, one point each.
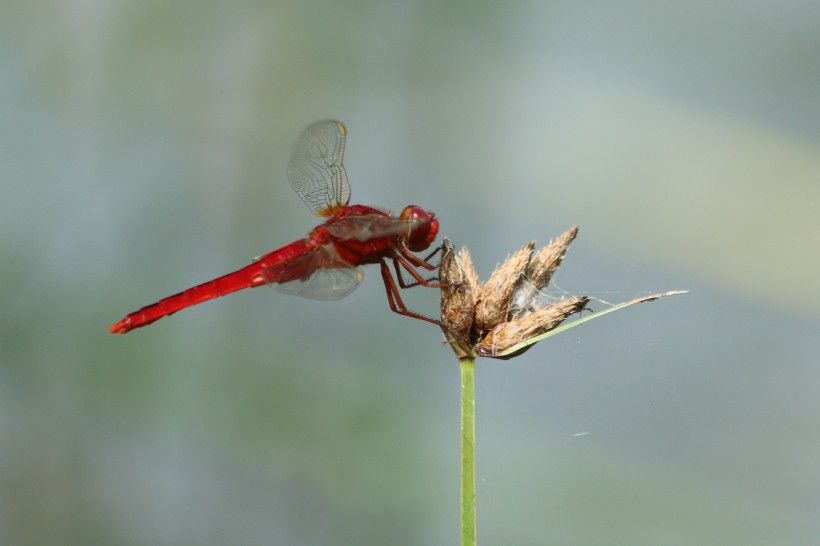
{"type": "Point", "coordinates": [492, 305]}
{"type": "Point", "coordinates": [539, 272]}
{"type": "Point", "coordinates": [508, 309]}
{"type": "Point", "coordinates": [511, 333]}
{"type": "Point", "coordinates": [458, 299]}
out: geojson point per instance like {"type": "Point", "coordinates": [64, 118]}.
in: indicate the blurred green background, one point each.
{"type": "Point", "coordinates": [143, 148]}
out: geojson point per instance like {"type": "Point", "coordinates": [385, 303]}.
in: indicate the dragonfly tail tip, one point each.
{"type": "Point", "coordinates": [120, 327]}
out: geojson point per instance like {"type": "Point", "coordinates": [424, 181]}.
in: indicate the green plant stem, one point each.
{"type": "Point", "coordinates": [468, 452]}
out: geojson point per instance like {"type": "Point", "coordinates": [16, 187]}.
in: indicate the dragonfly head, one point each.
{"type": "Point", "coordinates": [423, 227]}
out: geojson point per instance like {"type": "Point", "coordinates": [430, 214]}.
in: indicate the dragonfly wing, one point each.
{"type": "Point", "coordinates": [325, 284]}
{"type": "Point", "coordinates": [315, 168]}
{"type": "Point", "coordinates": [319, 275]}
{"type": "Point", "coordinates": [371, 226]}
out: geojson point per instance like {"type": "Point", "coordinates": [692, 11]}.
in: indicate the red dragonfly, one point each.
{"type": "Point", "coordinates": [325, 264]}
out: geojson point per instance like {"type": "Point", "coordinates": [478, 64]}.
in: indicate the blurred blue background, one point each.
{"type": "Point", "coordinates": [143, 148]}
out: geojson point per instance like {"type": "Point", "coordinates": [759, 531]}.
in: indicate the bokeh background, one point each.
{"type": "Point", "coordinates": [143, 147]}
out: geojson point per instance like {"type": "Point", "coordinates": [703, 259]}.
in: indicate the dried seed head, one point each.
{"type": "Point", "coordinates": [487, 320]}
{"type": "Point", "coordinates": [458, 301]}
{"type": "Point", "coordinates": [539, 272]}
{"type": "Point", "coordinates": [508, 334]}
{"type": "Point", "coordinates": [466, 264]}
{"type": "Point", "coordinates": [548, 260]}
{"type": "Point", "coordinates": [493, 302]}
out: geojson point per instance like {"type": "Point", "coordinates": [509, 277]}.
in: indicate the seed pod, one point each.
{"type": "Point", "coordinates": [458, 301]}
{"type": "Point", "coordinates": [493, 302]}
{"type": "Point", "coordinates": [508, 334]}
{"type": "Point", "coordinates": [542, 266]}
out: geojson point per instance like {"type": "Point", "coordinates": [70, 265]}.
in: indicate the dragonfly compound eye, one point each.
{"type": "Point", "coordinates": [423, 228]}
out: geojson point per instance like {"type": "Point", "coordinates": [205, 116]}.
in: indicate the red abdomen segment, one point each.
{"type": "Point", "coordinates": [271, 268]}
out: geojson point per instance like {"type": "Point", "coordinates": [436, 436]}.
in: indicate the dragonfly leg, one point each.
{"type": "Point", "coordinates": [408, 266]}
{"type": "Point", "coordinates": [416, 261]}
{"type": "Point", "coordinates": [404, 284]}
{"type": "Point", "coordinates": [395, 301]}
{"type": "Point", "coordinates": [439, 248]}
{"type": "Point", "coordinates": [410, 261]}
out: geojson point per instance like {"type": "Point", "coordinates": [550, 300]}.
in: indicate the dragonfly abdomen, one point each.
{"type": "Point", "coordinates": [249, 276]}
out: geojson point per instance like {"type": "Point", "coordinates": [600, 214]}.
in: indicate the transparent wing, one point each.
{"type": "Point", "coordinates": [371, 226]}
{"type": "Point", "coordinates": [320, 275]}
{"type": "Point", "coordinates": [315, 168]}
{"type": "Point", "coordinates": [324, 284]}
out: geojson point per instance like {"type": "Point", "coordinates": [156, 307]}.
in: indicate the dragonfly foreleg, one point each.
{"type": "Point", "coordinates": [409, 267]}
{"type": "Point", "coordinates": [415, 260]}
{"type": "Point", "coordinates": [394, 298]}
{"type": "Point", "coordinates": [427, 258]}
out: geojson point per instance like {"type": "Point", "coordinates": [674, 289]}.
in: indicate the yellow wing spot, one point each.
{"type": "Point", "coordinates": [330, 210]}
